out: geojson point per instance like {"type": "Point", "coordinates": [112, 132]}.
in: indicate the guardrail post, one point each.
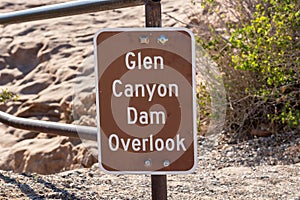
{"type": "Point", "coordinates": [153, 19]}
{"type": "Point", "coordinates": [153, 13]}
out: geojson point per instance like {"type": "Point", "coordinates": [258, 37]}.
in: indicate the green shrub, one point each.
{"type": "Point", "coordinates": [261, 62]}
{"type": "Point", "coordinates": [203, 100]}
{"type": "Point", "coordinates": [6, 95]}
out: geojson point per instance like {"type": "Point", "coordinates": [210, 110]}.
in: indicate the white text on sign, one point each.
{"type": "Point", "coordinates": [119, 89]}
{"type": "Point", "coordinates": [146, 144]}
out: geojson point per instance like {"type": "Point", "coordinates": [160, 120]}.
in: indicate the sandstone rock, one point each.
{"type": "Point", "coordinates": [84, 156]}
{"type": "Point", "coordinates": [25, 56]}
{"type": "Point", "coordinates": [38, 109]}
{"type": "Point", "coordinates": [84, 109]}
{"type": "Point", "coordinates": [9, 75]}
{"type": "Point", "coordinates": [34, 87]}
{"type": "Point", "coordinates": [32, 156]}
{"type": "Point", "coordinates": [2, 64]}
{"type": "Point", "coordinates": [21, 134]}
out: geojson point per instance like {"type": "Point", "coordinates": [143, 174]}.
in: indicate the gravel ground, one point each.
{"type": "Point", "coordinates": [262, 168]}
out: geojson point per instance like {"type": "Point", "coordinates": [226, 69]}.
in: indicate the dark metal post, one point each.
{"type": "Point", "coordinates": [159, 187]}
{"type": "Point", "coordinates": [153, 13]}
{"type": "Point", "coordinates": [153, 19]}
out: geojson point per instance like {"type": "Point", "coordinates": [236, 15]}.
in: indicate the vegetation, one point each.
{"type": "Point", "coordinates": [6, 95]}
{"type": "Point", "coordinates": [258, 50]}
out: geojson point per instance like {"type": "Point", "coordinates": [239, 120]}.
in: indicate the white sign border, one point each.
{"type": "Point", "coordinates": [193, 169]}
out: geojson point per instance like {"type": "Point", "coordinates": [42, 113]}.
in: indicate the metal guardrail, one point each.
{"type": "Point", "coordinates": [69, 130]}
{"type": "Point", "coordinates": [66, 9]}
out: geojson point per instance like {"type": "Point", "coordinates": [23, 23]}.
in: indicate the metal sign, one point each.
{"type": "Point", "coordinates": [145, 88]}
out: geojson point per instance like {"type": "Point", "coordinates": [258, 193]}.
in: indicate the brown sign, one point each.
{"type": "Point", "coordinates": [146, 100]}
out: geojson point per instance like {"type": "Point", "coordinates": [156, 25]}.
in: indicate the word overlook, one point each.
{"type": "Point", "coordinates": [138, 62]}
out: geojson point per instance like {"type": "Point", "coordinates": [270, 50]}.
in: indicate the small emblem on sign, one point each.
{"type": "Point", "coordinates": [162, 39]}
{"type": "Point", "coordinates": [144, 39]}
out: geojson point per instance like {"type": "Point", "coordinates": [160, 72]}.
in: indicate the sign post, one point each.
{"type": "Point", "coordinates": [146, 101]}
{"type": "Point", "coordinates": [153, 19]}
